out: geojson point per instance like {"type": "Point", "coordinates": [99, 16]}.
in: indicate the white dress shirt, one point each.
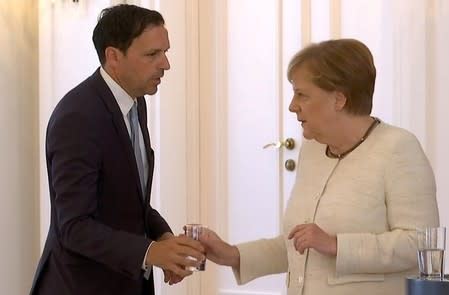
{"type": "Point", "coordinates": [125, 102]}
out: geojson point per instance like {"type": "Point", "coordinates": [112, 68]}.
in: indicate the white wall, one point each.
{"type": "Point", "coordinates": [66, 57]}
{"type": "Point", "coordinates": [19, 188]}
{"type": "Point", "coordinates": [438, 107]}
{"type": "Point", "coordinates": [409, 41]}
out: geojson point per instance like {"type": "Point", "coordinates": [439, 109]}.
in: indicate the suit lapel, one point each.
{"type": "Point", "coordinates": [119, 124]}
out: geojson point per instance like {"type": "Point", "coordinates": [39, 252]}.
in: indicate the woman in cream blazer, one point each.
{"type": "Point", "coordinates": [362, 188]}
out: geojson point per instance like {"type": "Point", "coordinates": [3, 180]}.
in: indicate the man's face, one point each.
{"type": "Point", "coordinates": [140, 70]}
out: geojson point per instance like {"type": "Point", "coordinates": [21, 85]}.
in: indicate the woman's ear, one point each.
{"type": "Point", "coordinates": [340, 101]}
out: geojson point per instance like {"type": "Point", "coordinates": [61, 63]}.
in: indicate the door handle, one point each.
{"type": "Point", "coordinates": [289, 144]}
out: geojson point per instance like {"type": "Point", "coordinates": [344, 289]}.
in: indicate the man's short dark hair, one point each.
{"type": "Point", "coordinates": [119, 25]}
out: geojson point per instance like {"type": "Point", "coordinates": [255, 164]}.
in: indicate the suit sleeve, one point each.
{"type": "Point", "coordinates": [74, 160]}
{"type": "Point", "coordinates": [156, 224]}
{"type": "Point", "coordinates": [410, 197]}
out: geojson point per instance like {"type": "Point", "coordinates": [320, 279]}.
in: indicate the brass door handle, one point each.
{"type": "Point", "coordinates": [289, 144]}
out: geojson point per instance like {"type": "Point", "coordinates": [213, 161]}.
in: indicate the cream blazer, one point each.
{"type": "Point", "coordinates": [372, 200]}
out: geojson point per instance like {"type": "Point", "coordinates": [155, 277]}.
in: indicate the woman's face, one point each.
{"type": "Point", "coordinates": [315, 108]}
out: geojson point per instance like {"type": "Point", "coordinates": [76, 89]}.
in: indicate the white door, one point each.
{"type": "Point", "coordinates": [244, 98]}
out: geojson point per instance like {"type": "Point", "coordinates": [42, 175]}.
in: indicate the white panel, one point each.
{"type": "Point", "coordinates": [171, 102]}
{"type": "Point", "coordinates": [253, 118]}
{"type": "Point", "coordinates": [253, 121]}
{"type": "Point", "coordinates": [291, 44]}
{"type": "Point", "coordinates": [213, 126]}
{"type": "Point", "coordinates": [19, 160]}
{"type": "Point", "coordinates": [335, 19]}
{"type": "Point", "coordinates": [306, 21]}
{"type": "Point", "coordinates": [320, 20]}
{"type": "Point", "coordinates": [67, 56]}
{"type": "Point", "coordinates": [171, 137]}
{"type": "Point", "coordinates": [410, 64]}
{"type": "Point", "coordinates": [116, 2]}
{"type": "Point", "coordinates": [74, 55]}
{"type": "Point", "coordinates": [236, 292]}
{"type": "Point", "coordinates": [371, 23]}
{"type": "Point", "coordinates": [46, 105]}
{"type": "Point", "coordinates": [134, 2]}
{"type": "Point", "coordinates": [78, 8]}
{"type": "Point", "coordinates": [439, 136]}
{"type": "Point", "coordinates": [291, 33]}
{"type": "Point", "coordinates": [409, 43]}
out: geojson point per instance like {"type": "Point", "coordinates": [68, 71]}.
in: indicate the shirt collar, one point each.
{"type": "Point", "coordinates": [124, 101]}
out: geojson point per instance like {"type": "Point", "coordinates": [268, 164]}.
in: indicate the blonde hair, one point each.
{"type": "Point", "coordinates": [344, 65]}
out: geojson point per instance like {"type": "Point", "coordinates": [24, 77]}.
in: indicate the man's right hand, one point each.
{"type": "Point", "coordinates": [172, 254]}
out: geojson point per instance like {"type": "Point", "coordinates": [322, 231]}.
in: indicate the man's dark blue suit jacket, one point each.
{"type": "Point", "coordinates": [100, 226]}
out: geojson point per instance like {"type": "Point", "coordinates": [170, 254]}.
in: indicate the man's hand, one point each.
{"type": "Point", "coordinates": [171, 254]}
{"type": "Point", "coordinates": [171, 278]}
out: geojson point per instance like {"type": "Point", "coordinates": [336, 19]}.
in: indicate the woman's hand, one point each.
{"type": "Point", "coordinates": [219, 251]}
{"type": "Point", "coordinates": [310, 235]}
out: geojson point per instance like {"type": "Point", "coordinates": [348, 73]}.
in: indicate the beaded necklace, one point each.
{"type": "Point", "coordinates": [373, 125]}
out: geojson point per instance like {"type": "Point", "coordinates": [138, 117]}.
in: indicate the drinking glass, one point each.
{"type": "Point", "coordinates": [431, 245]}
{"type": "Point", "coordinates": [194, 231]}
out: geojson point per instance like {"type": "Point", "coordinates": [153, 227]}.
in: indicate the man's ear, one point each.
{"type": "Point", "coordinates": [112, 55]}
{"type": "Point", "coordinates": [340, 100]}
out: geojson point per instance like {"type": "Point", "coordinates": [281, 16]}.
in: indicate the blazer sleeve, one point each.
{"type": "Point", "coordinates": [410, 197]}
{"type": "Point", "coordinates": [156, 224]}
{"type": "Point", "coordinates": [74, 160]}
{"type": "Point", "coordinates": [260, 258]}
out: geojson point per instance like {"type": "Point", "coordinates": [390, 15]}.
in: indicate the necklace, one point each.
{"type": "Point", "coordinates": [330, 154]}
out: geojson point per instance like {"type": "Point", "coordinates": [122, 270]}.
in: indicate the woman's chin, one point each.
{"type": "Point", "coordinates": [307, 135]}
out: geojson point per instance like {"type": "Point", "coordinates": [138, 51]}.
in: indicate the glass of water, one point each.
{"type": "Point", "coordinates": [194, 231]}
{"type": "Point", "coordinates": [431, 245]}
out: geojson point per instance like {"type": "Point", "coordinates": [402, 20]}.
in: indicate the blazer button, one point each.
{"type": "Point", "coordinates": [300, 280]}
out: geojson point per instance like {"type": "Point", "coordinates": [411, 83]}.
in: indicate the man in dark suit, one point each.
{"type": "Point", "coordinates": [104, 236]}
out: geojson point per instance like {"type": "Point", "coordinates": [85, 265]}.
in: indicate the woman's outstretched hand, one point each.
{"type": "Point", "coordinates": [219, 251]}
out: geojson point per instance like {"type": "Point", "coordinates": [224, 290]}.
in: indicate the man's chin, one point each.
{"type": "Point", "coordinates": [151, 91]}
